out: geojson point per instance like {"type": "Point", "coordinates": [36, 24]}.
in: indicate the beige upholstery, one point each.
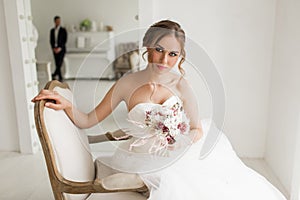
{"type": "Point", "coordinates": [69, 161]}
{"type": "Point", "coordinates": [122, 181]}
{"type": "Point", "coordinates": [71, 147]}
{"type": "Point", "coordinates": [71, 152]}
{"type": "Point", "coordinates": [116, 196]}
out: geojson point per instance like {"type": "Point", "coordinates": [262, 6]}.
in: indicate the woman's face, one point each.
{"type": "Point", "coordinates": [164, 55]}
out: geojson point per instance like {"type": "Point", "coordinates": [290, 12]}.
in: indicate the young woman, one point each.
{"type": "Point", "coordinates": [163, 115]}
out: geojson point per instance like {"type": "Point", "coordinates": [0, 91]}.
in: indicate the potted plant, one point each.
{"type": "Point", "coordinates": [85, 25]}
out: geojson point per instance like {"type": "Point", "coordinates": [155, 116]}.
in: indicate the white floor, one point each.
{"type": "Point", "coordinates": [24, 177]}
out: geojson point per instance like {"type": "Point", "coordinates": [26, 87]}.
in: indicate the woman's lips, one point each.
{"type": "Point", "coordinates": [161, 67]}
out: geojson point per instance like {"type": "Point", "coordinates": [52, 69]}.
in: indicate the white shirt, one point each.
{"type": "Point", "coordinates": [56, 35]}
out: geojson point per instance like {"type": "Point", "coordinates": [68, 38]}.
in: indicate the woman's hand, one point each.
{"type": "Point", "coordinates": [195, 134]}
{"type": "Point", "coordinates": [56, 101]}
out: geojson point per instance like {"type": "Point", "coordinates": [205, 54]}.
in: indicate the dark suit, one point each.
{"type": "Point", "coordinates": [61, 43]}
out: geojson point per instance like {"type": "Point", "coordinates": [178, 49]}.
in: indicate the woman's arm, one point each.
{"type": "Point", "coordinates": [191, 109]}
{"type": "Point", "coordinates": [81, 119]}
{"type": "Point", "coordinates": [102, 110]}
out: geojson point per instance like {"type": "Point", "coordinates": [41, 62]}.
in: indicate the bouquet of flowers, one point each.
{"type": "Point", "coordinates": [159, 128]}
{"type": "Point", "coordinates": [167, 122]}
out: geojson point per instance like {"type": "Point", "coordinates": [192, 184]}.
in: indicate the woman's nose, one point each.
{"type": "Point", "coordinates": [164, 57]}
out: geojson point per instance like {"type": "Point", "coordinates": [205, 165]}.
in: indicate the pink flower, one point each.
{"type": "Point", "coordinates": [182, 127]}
{"type": "Point", "coordinates": [160, 125]}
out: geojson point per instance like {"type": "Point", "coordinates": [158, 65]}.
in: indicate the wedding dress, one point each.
{"type": "Point", "coordinates": [181, 174]}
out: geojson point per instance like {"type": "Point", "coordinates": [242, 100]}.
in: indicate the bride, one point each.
{"type": "Point", "coordinates": [167, 133]}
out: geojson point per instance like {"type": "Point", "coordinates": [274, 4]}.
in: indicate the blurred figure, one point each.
{"type": "Point", "coordinates": [58, 40]}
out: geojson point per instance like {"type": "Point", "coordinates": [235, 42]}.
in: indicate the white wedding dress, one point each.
{"type": "Point", "coordinates": [182, 175]}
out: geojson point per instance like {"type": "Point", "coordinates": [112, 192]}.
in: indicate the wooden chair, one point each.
{"type": "Point", "coordinates": [72, 171]}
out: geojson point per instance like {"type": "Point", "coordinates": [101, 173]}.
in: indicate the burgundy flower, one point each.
{"type": "Point", "coordinates": [170, 139]}
{"type": "Point", "coordinates": [165, 129]}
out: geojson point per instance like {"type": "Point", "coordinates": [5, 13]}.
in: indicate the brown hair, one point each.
{"type": "Point", "coordinates": [159, 30]}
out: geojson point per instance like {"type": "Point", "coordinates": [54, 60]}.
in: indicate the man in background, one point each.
{"type": "Point", "coordinates": [58, 40]}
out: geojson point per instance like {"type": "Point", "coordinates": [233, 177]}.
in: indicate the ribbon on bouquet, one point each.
{"type": "Point", "coordinates": [157, 145]}
{"type": "Point", "coordinates": [145, 135]}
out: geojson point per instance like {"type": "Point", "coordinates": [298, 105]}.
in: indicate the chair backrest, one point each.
{"type": "Point", "coordinates": [66, 149]}
{"type": "Point", "coordinates": [124, 51]}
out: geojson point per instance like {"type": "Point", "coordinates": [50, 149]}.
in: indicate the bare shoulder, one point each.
{"type": "Point", "coordinates": [183, 85]}
{"type": "Point", "coordinates": [185, 90]}
{"type": "Point", "coordinates": [126, 83]}
{"type": "Point", "coordinates": [131, 77]}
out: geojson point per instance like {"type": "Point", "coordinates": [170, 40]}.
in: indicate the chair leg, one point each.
{"type": "Point", "coordinates": [59, 196]}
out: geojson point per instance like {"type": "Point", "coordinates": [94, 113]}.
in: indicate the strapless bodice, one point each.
{"type": "Point", "coordinates": [138, 112]}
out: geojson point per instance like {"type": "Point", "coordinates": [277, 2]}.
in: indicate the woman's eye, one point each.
{"type": "Point", "coordinates": [173, 54]}
{"type": "Point", "coordinates": [158, 49]}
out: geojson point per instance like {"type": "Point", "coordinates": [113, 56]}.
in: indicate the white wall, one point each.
{"type": "Point", "coordinates": [238, 36]}
{"type": "Point", "coordinates": [8, 122]}
{"type": "Point", "coordinates": [295, 185]}
{"type": "Point", "coordinates": [118, 13]}
{"type": "Point", "coordinates": [285, 92]}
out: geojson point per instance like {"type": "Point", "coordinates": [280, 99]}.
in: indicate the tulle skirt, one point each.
{"type": "Point", "coordinates": [220, 175]}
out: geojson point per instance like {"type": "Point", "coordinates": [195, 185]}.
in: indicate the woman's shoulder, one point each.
{"type": "Point", "coordinates": [181, 81]}
{"type": "Point", "coordinates": [128, 80]}
{"type": "Point", "coordinates": [130, 77]}
{"type": "Point", "coordinates": [183, 87]}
